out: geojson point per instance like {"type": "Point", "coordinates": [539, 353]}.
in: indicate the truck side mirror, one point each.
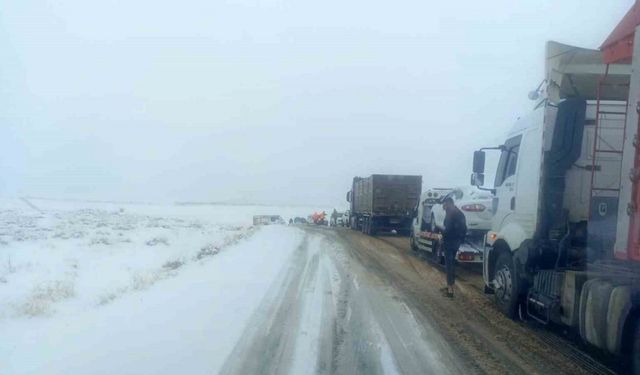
{"type": "Point", "coordinates": [349, 196]}
{"type": "Point", "coordinates": [478, 162]}
{"type": "Point", "coordinates": [477, 179]}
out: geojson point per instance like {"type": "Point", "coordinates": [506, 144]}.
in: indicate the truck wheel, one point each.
{"type": "Point", "coordinates": [439, 252]}
{"type": "Point", "coordinates": [635, 349]}
{"type": "Point", "coordinates": [506, 285]}
{"type": "Point", "coordinates": [412, 241]}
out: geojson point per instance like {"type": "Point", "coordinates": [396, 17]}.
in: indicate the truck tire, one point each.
{"type": "Point", "coordinates": [506, 285]}
{"type": "Point", "coordinates": [372, 228]}
{"type": "Point", "coordinates": [635, 349]}
{"type": "Point", "coordinates": [439, 252]}
{"type": "Point", "coordinates": [412, 241]}
{"type": "Point", "coordinates": [366, 229]}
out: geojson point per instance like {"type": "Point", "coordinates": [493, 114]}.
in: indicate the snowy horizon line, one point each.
{"type": "Point", "coordinates": [174, 202]}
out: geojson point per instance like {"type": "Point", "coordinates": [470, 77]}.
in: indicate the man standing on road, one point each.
{"type": "Point", "coordinates": [455, 229]}
{"type": "Point", "coordinates": [334, 218]}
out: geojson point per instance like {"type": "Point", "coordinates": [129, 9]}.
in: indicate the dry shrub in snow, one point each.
{"type": "Point", "coordinates": [44, 295]}
{"type": "Point", "coordinates": [142, 281]}
{"type": "Point", "coordinates": [157, 241]}
{"type": "Point", "coordinates": [173, 265]}
{"type": "Point", "coordinates": [100, 241]}
{"type": "Point", "coordinates": [206, 251]}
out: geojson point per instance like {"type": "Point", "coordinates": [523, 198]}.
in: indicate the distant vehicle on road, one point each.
{"type": "Point", "coordinates": [319, 218]}
{"type": "Point", "coordinates": [267, 219]}
{"type": "Point", "coordinates": [383, 203]}
{"type": "Point", "coordinates": [476, 205]}
{"type": "Point", "coordinates": [300, 220]}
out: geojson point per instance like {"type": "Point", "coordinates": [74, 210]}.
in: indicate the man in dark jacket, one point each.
{"type": "Point", "coordinates": [455, 229]}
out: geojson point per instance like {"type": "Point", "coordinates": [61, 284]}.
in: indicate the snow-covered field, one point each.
{"type": "Point", "coordinates": [73, 274]}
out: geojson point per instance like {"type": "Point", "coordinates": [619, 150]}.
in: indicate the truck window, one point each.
{"type": "Point", "coordinates": [512, 161]}
{"type": "Point", "coordinates": [508, 160]}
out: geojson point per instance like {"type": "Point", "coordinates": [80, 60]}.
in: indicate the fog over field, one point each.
{"type": "Point", "coordinates": [265, 101]}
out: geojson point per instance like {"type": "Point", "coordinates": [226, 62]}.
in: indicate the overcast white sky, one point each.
{"type": "Point", "coordinates": [266, 101]}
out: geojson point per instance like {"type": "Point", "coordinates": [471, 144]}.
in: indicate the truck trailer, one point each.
{"type": "Point", "coordinates": [383, 202]}
{"type": "Point", "coordinates": [564, 246]}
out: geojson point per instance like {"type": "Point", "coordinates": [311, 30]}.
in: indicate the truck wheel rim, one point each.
{"type": "Point", "coordinates": [503, 284]}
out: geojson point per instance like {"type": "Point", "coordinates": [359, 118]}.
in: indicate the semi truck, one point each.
{"type": "Point", "coordinates": [383, 202]}
{"type": "Point", "coordinates": [564, 245]}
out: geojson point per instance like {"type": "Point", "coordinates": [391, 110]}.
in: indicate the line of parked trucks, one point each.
{"type": "Point", "coordinates": [558, 234]}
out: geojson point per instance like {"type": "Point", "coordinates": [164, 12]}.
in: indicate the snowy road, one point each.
{"type": "Point", "coordinates": [137, 289]}
{"type": "Point", "coordinates": [347, 303]}
{"type": "Point", "coordinates": [327, 314]}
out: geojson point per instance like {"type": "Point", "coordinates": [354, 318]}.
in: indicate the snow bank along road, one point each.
{"type": "Point", "coordinates": [152, 290]}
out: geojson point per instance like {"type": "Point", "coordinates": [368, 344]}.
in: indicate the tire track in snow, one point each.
{"type": "Point", "coordinates": [329, 313]}
{"type": "Point", "coordinates": [268, 343]}
{"type": "Point", "coordinates": [399, 344]}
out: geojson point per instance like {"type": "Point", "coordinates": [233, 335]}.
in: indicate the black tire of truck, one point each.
{"type": "Point", "coordinates": [438, 251]}
{"type": "Point", "coordinates": [412, 241]}
{"type": "Point", "coordinates": [436, 245]}
{"type": "Point", "coordinates": [371, 230]}
{"type": "Point", "coordinates": [506, 285]}
{"type": "Point", "coordinates": [635, 348]}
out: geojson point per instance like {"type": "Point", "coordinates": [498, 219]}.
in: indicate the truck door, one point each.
{"type": "Point", "coordinates": [504, 202]}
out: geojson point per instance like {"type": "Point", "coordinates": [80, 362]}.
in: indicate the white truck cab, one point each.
{"type": "Point", "coordinates": [548, 180]}
{"type": "Point", "coordinates": [517, 182]}
{"type": "Point", "coordinates": [565, 239]}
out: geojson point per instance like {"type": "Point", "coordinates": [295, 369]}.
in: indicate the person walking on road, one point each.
{"type": "Point", "coordinates": [455, 229]}
{"type": "Point", "coordinates": [334, 218]}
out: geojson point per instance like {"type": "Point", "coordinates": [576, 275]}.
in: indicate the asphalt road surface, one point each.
{"type": "Point", "coordinates": [353, 304]}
